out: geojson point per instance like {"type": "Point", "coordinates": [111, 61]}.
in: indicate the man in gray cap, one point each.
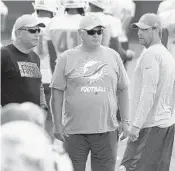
{"type": "Point", "coordinates": [153, 102]}
{"type": "Point", "coordinates": [92, 82]}
{"type": "Point", "coordinates": [21, 77]}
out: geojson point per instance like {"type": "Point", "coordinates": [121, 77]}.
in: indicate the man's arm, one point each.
{"type": "Point", "coordinates": [56, 103]}
{"type": "Point", "coordinates": [58, 85]}
{"type": "Point", "coordinates": [123, 92]}
{"type": "Point", "coordinates": [52, 54]}
{"type": "Point", "coordinates": [150, 72]}
{"type": "Point", "coordinates": [124, 104]}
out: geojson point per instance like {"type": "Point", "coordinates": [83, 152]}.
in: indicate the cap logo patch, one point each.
{"type": "Point", "coordinates": [42, 2]}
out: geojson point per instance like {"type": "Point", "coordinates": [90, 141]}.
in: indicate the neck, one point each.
{"type": "Point", "coordinates": [42, 13]}
{"type": "Point", "coordinates": [72, 11]}
{"type": "Point", "coordinates": [89, 48]}
{"type": "Point", "coordinates": [156, 41]}
{"type": "Point", "coordinates": [21, 46]}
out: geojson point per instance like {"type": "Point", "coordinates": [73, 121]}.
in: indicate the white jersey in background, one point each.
{"type": "Point", "coordinates": [168, 21]}
{"type": "Point", "coordinates": [125, 11]}
{"type": "Point", "coordinates": [113, 26]}
{"type": "Point", "coordinates": [42, 50]}
{"type": "Point", "coordinates": [63, 32]}
{"type": "Point", "coordinates": [166, 5]}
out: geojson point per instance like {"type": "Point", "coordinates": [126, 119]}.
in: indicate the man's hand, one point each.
{"type": "Point", "coordinates": [133, 134]}
{"type": "Point", "coordinates": [59, 132]}
{"type": "Point", "coordinates": [123, 129]}
{"type": "Point", "coordinates": [45, 110]}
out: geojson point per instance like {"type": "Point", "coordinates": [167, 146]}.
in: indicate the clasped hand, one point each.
{"type": "Point", "coordinates": [126, 132]}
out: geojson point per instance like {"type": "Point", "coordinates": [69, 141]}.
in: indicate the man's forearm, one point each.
{"type": "Point", "coordinates": [52, 54]}
{"type": "Point", "coordinates": [144, 107]}
{"type": "Point", "coordinates": [56, 103]}
{"type": "Point", "coordinates": [124, 104]}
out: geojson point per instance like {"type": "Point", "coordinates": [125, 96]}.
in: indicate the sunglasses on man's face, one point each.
{"type": "Point", "coordinates": [32, 31]}
{"type": "Point", "coordinates": [93, 32]}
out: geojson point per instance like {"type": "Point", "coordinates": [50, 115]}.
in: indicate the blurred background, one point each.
{"type": "Point", "coordinates": [17, 8]}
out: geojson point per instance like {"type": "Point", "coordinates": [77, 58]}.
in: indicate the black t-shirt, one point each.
{"type": "Point", "coordinates": [20, 76]}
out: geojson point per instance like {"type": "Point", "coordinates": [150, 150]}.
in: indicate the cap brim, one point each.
{"type": "Point", "coordinates": [93, 26]}
{"type": "Point", "coordinates": [139, 25]}
{"type": "Point", "coordinates": [36, 24]}
{"type": "Point", "coordinates": [98, 4]}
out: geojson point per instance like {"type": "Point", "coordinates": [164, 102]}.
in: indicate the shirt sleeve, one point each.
{"type": "Point", "coordinates": [123, 80]}
{"type": "Point", "coordinates": [150, 78]}
{"type": "Point", "coordinates": [59, 79]}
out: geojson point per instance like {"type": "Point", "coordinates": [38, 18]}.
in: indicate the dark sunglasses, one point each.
{"type": "Point", "coordinates": [32, 31]}
{"type": "Point", "coordinates": [92, 32]}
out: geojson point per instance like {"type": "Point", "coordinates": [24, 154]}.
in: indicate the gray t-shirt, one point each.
{"type": "Point", "coordinates": [90, 81]}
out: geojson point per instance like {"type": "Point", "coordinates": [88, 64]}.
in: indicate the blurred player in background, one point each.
{"type": "Point", "coordinates": [3, 12]}
{"type": "Point", "coordinates": [63, 30]}
{"type": "Point", "coordinates": [125, 10]}
{"type": "Point", "coordinates": [25, 147]}
{"type": "Point", "coordinates": [166, 5]}
{"type": "Point", "coordinates": [45, 10]}
{"type": "Point", "coordinates": [166, 11]}
{"type": "Point", "coordinates": [15, 112]}
{"type": "Point", "coordinates": [105, 11]}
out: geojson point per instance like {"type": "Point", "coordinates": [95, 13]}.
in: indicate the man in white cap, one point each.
{"type": "Point", "coordinates": [21, 77]}
{"type": "Point", "coordinates": [153, 97]}
{"type": "Point", "coordinates": [113, 27]}
{"type": "Point", "coordinates": [91, 81]}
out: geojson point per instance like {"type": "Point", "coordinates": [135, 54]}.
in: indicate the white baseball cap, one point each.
{"type": "Point", "coordinates": [27, 20]}
{"type": "Point", "coordinates": [89, 22]}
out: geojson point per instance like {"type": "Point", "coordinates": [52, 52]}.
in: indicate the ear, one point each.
{"type": "Point", "coordinates": [17, 34]}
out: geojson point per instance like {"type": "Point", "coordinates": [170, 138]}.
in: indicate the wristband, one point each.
{"type": "Point", "coordinates": [127, 121]}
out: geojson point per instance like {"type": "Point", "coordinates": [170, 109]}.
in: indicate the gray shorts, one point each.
{"type": "Point", "coordinates": [151, 152]}
{"type": "Point", "coordinates": [103, 149]}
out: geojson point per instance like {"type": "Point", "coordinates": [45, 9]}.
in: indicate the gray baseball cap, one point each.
{"type": "Point", "coordinates": [27, 20]}
{"type": "Point", "coordinates": [89, 22]}
{"type": "Point", "coordinates": [147, 21]}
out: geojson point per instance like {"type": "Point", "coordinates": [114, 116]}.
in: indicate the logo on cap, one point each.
{"type": "Point", "coordinates": [42, 2]}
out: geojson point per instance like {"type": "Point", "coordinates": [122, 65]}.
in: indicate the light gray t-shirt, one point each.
{"type": "Point", "coordinates": [90, 81]}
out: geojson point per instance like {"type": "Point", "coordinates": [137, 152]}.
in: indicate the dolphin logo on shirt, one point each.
{"type": "Point", "coordinates": [91, 69]}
